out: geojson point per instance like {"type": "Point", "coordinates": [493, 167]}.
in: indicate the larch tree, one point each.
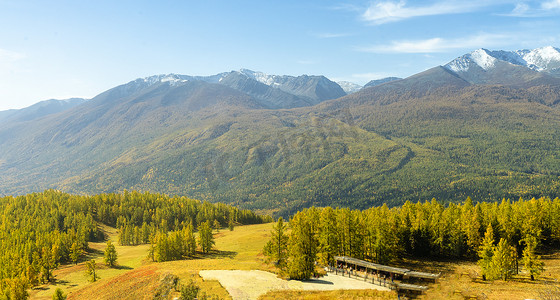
{"type": "Point", "coordinates": [217, 225]}
{"type": "Point", "coordinates": [502, 261]}
{"type": "Point", "coordinates": [91, 271]}
{"type": "Point", "coordinates": [110, 255]}
{"type": "Point", "coordinates": [532, 262]}
{"type": "Point", "coordinates": [302, 247]}
{"type": "Point", "coordinates": [58, 295]}
{"type": "Point", "coordinates": [75, 252]}
{"type": "Point", "coordinates": [486, 252]}
{"type": "Point", "coordinates": [205, 237]}
{"type": "Point", "coordinates": [275, 249]}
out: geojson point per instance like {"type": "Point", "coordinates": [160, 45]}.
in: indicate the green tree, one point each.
{"type": "Point", "coordinates": [152, 249]}
{"type": "Point", "coordinates": [91, 270]}
{"type": "Point", "coordinates": [58, 295]}
{"type": "Point", "coordinates": [217, 225]}
{"type": "Point", "coordinates": [205, 237]}
{"type": "Point", "coordinates": [75, 252]}
{"type": "Point", "coordinates": [14, 288]}
{"type": "Point", "coordinates": [486, 252]}
{"type": "Point", "coordinates": [189, 291]}
{"type": "Point", "coordinates": [502, 261]}
{"type": "Point", "coordinates": [230, 224]}
{"type": "Point", "coordinates": [275, 249]}
{"type": "Point", "coordinates": [189, 240]}
{"type": "Point", "coordinates": [110, 255]}
{"type": "Point", "coordinates": [532, 262]}
{"type": "Point", "coordinates": [48, 264]}
{"type": "Point", "coordinates": [302, 247]}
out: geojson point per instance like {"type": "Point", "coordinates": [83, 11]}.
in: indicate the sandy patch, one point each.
{"type": "Point", "coordinates": [249, 285]}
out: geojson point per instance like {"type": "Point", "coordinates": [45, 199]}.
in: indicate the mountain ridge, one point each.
{"type": "Point", "coordinates": [437, 133]}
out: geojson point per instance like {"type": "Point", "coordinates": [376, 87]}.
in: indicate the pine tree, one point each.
{"type": "Point", "coordinates": [190, 241]}
{"type": "Point", "coordinates": [58, 295]}
{"type": "Point", "coordinates": [205, 237]}
{"type": "Point", "coordinates": [75, 253]}
{"type": "Point", "coordinates": [110, 255]}
{"type": "Point", "coordinates": [48, 264]}
{"type": "Point", "coordinates": [486, 252]}
{"type": "Point", "coordinates": [276, 248]}
{"type": "Point", "coordinates": [533, 263]}
{"type": "Point", "coordinates": [217, 225]}
{"type": "Point", "coordinates": [152, 249]}
{"type": "Point", "coordinates": [328, 242]}
{"type": "Point", "coordinates": [91, 270]}
{"type": "Point", "coordinates": [502, 261]}
{"type": "Point", "coordinates": [302, 247]}
{"type": "Point", "coordinates": [230, 224]}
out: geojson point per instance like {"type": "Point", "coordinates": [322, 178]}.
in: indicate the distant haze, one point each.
{"type": "Point", "coordinates": [60, 50]}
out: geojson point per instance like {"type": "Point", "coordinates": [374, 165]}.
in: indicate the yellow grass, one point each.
{"type": "Point", "coordinates": [462, 280]}
{"type": "Point", "coordinates": [138, 278]}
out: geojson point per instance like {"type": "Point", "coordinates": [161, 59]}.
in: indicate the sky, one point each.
{"type": "Point", "coordinates": [62, 49]}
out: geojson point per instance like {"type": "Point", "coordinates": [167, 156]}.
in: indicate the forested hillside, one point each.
{"type": "Point", "coordinates": [432, 135]}
{"type": "Point", "coordinates": [40, 231]}
{"type": "Point", "coordinates": [427, 229]}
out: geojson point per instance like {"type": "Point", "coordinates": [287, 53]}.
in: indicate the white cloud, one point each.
{"type": "Point", "coordinates": [437, 44]}
{"type": "Point", "coordinates": [381, 12]}
{"type": "Point", "coordinates": [10, 56]}
{"type": "Point", "coordinates": [520, 9]}
{"type": "Point", "coordinates": [554, 4]}
{"type": "Point", "coordinates": [546, 8]}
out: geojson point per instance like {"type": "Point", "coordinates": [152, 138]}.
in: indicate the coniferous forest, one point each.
{"type": "Point", "coordinates": [41, 231]}
{"type": "Point", "coordinates": [498, 235]}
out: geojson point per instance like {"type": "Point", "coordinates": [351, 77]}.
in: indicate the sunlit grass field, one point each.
{"type": "Point", "coordinates": [136, 277]}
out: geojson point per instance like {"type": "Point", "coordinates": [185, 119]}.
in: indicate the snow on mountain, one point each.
{"type": "Point", "coordinates": [349, 87]}
{"type": "Point", "coordinates": [480, 57]}
{"type": "Point", "coordinates": [545, 59]}
{"type": "Point", "coordinates": [269, 80]}
{"type": "Point", "coordinates": [172, 79]}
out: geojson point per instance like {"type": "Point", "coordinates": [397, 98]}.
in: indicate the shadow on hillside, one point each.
{"type": "Point", "coordinates": [220, 254]}
{"type": "Point", "coordinates": [91, 253]}
{"type": "Point", "coordinates": [119, 267]}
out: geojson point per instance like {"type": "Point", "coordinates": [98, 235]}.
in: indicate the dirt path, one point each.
{"type": "Point", "coordinates": [249, 285]}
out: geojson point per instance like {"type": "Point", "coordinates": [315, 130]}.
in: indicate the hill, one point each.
{"type": "Point", "coordinates": [277, 144]}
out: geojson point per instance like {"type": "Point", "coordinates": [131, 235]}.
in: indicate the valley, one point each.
{"type": "Point", "coordinates": [278, 144]}
{"type": "Point", "coordinates": [452, 170]}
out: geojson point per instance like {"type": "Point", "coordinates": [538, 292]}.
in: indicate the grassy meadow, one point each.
{"type": "Point", "coordinates": [136, 277]}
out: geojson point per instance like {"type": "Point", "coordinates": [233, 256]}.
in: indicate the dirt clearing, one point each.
{"type": "Point", "coordinates": [249, 285]}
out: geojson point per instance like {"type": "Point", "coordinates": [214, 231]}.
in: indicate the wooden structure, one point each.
{"type": "Point", "coordinates": [382, 274]}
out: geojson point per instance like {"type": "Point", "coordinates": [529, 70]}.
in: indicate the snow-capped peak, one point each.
{"type": "Point", "coordinates": [259, 76]}
{"type": "Point", "coordinates": [483, 59]}
{"type": "Point", "coordinates": [542, 59]}
{"type": "Point", "coordinates": [480, 57]}
{"type": "Point", "coordinates": [349, 87]}
{"type": "Point", "coordinates": [545, 59]}
{"type": "Point", "coordinates": [172, 79]}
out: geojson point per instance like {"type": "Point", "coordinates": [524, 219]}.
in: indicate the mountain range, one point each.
{"type": "Point", "coordinates": [485, 125]}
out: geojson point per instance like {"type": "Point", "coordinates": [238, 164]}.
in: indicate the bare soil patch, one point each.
{"type": "Point", "coordinates": [251, 284]}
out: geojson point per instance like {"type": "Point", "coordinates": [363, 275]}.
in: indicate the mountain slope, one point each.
{"type": "Point", "coordinates": [38, 110]}
{"type": "Point", "coordinates": [524, 67]}
{"type": "Point", "coordinates": [434, 134]}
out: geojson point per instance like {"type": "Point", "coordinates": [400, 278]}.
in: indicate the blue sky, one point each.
{"type": "Point", "coordinates": [61, 49]}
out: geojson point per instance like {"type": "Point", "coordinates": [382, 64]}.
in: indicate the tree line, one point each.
{"type": "Point", "coordinates": [41, 231]}
{"type": "Point", "coordinates": [507, 231]}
